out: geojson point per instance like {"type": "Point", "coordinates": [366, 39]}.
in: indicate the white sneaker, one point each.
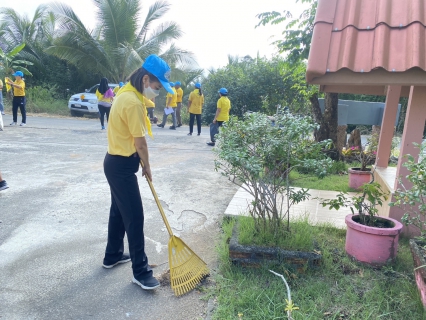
{"type": "Point", "coordinates": [13, 124]}
{"type": "Point", "coordinates": [23, 124]}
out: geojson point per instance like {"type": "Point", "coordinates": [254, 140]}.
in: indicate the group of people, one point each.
{"type": "Point", "coordinates": [128, 124]}
{"type": "Point", "coordinates": [195, 106]}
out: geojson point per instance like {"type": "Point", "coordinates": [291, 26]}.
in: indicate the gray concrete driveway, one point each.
{"type": "Point", "coordinates": [53, 221]}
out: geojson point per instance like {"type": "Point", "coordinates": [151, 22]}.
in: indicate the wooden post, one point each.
{"type": "Point", "coordinates": [388, 125]}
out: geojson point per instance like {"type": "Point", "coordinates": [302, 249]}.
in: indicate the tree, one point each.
{"type": "Point", "coordinates": [254, 85]}
{"type": "Point", "coordinates": [297, 43]}
{"type": "Point", "coordinates": [37, 34]}
{"type": "Point", "coordinates": [9, 62]}
{"type": "Point", "coordinates": [117, 45]}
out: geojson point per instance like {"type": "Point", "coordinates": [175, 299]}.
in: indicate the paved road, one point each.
{"type": "Point", "coordinates": [54, 221]}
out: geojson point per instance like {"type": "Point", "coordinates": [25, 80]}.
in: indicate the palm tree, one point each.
{"type": "Point", "coordinates": [9, 61]}
{"type": "Point", "coordinates": [35, 33]}
{"type": "Point", "coordinates": [117, 45]}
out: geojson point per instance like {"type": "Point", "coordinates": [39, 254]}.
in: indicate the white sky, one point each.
{"type": "Point", "coordinates": [213, 28]}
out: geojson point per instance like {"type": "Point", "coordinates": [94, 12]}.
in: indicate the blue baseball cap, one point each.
{"type": "Point", "coordinates": [159, 68]}
{"type": "Point", "coordinates": [198, 85]}
{"type": "Point", "coordinates": [18, 73]}
{"type": "Point", "coordinates": [120, 84]}
{"type": "Point", "coordinates": [223, 91]}
{"type": "Point", "coordinates": [177, 83]}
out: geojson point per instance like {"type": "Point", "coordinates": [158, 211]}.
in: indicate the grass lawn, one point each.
{"type": "Point", "coordinates": [332, 182]}
{"type": "Point", "coordinates": [339, 289]}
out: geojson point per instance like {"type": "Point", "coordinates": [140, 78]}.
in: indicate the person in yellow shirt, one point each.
{"type": "Point", "coordinates": [195, 108]}
{"type": "Point", "coordinates": [105, 96]}
{"type": "Point", "coordinates": [179, 93]}
{"type": "Point", "coordinates": [171, 104]}
{"type": "Point", "coordinates": [222, 112]}
{"type": "Point", "coordinates": [1, 98]}
{"type": "Point", "coordinates": [19, 100]}
{"type": "Point", "coordinates": [126, 147]}
{"type": "Point", "coordinates": [120, 84]}
{"type": "Point", "coordinates": [150, 105]}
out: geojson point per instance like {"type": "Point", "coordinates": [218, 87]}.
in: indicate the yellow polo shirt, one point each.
{"type": "Point", "coordinates": [126, 122]}
{"type": "Point", "coordinates": [116, 89]}
{"type": "Point", "coordinates": [148, 103]}
{"type": "Point", "coordinates": [17, 92]}
{"type": "Point", "coordinates": [173, 103]}
{"type": "Point", "coordinates": [197, 102]}
{"type": "Point", "coordinates": [224, 105]}
{"type": "Point", "coordinates": [100, 97]}
{"type": "Point", "coordinates": [179, 95]}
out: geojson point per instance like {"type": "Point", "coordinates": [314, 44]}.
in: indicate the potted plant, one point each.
{"type": "Point", "coordinates": [365, 155]}
{"type": "Point", "coordinates": [370, 239]}
{"type": "Point", "coordinates": [413, 201]}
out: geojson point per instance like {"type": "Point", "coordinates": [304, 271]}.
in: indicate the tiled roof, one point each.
{"type": "Point", "coordinates": [367, 35]}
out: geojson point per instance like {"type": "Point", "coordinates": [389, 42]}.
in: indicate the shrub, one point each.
{"type": "Point", "coordinates": [258, 156]}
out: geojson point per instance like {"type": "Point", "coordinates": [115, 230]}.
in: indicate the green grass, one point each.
{"type": "Point", "coordinates": [300, 237]}
{"type": "Point", "coordinates": [41, 100]}
{"type": "Point", "coordinates": [332, 182]}
{"type": "Point", "coordinates": [338, 289]}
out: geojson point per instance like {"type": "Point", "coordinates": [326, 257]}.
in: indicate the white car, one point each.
{"type": "Point", "coordinates": [87, 102]}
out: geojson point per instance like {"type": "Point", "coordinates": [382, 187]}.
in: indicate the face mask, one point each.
{"type": "Point", "coordinates": [150, 93]}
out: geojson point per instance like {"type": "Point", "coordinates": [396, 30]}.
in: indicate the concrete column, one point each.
{"type": "Point", "coordinates": [388, 125]}
{"type": "Point", "coordinates": [413, 130]}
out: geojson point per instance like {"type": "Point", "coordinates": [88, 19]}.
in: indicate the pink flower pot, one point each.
{"type": "Point", "coordinates": [357, 178]}
{"type": "Point", "coordinates": [370, 245]}
{"type": "Point", "coordinates": [420, 274]}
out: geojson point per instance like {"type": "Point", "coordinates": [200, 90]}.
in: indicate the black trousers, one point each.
{"type": "Point", "coordinates": [191, 122]}
{"type": "Point", "coordinates": [19, 102]}
{"type": "Point", "coordinates": [219, 124]}
{"type": "Point", "coordinates": [150, 112]}
{"type": "Point", "coordinates": [126, 214]}
{"type": "Point", "coordinates": [102, 111]}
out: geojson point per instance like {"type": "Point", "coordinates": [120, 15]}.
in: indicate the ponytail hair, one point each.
{"type": "Point", "coordinates": [200, 92]}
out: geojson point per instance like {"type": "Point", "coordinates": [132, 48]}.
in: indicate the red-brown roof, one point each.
{"type": "Point", "coordinates": [365, 36]}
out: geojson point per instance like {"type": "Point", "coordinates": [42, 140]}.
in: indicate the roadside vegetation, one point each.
{"type": "Point", "coordinates": [338, 289]}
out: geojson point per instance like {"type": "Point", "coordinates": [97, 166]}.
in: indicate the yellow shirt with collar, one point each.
{"type": "Point", "coordinates": [19, 92]}
{"type": "Point", "coordinates": [148, 103]}
{"type": "Point", "coordinates": [101, 97]}
{"type": "Point", "coordinates": [224, 104]}
{"type": "Point", "coordinates": [126, 122]}
{"type": "Point", "coordinates": [179, 93]}
{"type": "Point", "coordinates": [173, 102]}
{"type": "Point", "coordinates": [197, 102]}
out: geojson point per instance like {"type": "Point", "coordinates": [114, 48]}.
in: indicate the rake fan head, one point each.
{"type": "Point", "coordinates": [186, 268]}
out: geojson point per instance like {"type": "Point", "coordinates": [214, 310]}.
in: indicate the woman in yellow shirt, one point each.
{"type": "Point", "coordinates": [179, 98]}
{"type": "Point", "coordinates": [104, 95]}
{"type": "Point", "coordinates": [127, 145]}
{"type": "Point", "coordinates": [222, 112]}
{"type": "Point", "coordinates": [195, 107]}
{"type": "Point", "coordinates": [19, 100]}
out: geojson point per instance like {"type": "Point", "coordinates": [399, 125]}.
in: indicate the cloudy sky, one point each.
{"type": "Point", "coordinates": [213, 28]}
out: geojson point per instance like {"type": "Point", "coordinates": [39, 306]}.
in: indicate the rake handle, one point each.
{"type": "Point", "coordinates": [160, 207]}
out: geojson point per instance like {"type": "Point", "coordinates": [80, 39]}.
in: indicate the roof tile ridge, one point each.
{"type": "Point", "coordinates": [379, 24]}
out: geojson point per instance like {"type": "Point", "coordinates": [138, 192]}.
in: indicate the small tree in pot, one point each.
{"type": "Point", "coordinates": [369, 238]}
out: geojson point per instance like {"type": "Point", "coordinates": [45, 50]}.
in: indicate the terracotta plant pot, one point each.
{"type": "Point", "coordinates": [420, 274]}
{"type": "Point", "coordinates": [357, 178]}
{"type": "Point", "coordinates": [371, 245]}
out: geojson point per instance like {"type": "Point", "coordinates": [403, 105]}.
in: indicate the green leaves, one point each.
{"type": "Point", "coordinates": [118, 45]}
{"type": "Point", "coordinates": [412, 198]}
{"type": "Point", "coordinates": [258, 154]}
